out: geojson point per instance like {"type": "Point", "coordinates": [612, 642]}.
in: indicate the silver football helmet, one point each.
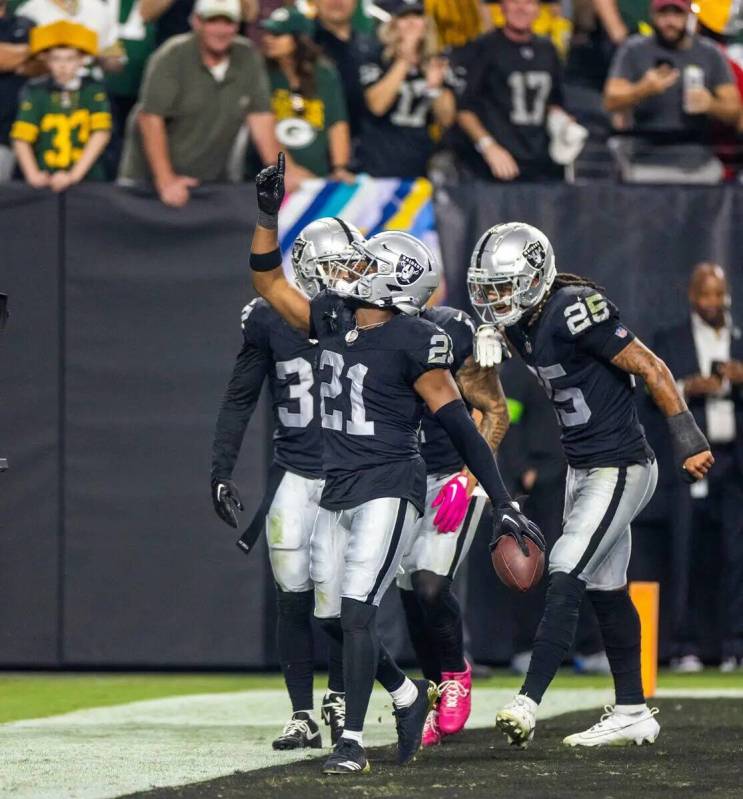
{"type": "Point", "coordinates": [320, 250]}
{"type": "Point", "coordinates": [511, 269]}
{"type": "Point", "coordinates": [391, 270]}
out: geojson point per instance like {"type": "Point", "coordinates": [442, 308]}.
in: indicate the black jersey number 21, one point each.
{"type": "Point", "coordinates": [357, 425]}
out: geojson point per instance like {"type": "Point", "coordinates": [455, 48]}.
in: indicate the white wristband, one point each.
{"type": "Point", "coordinates": [483, 143]}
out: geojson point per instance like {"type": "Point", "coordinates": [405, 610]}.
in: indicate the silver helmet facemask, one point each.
{"type": "Point", "coordinates": [392, 269]}
{"type": "Point", "coordinates": [321, 252]}
{"type": "Point", "coordinates": [511, 269]}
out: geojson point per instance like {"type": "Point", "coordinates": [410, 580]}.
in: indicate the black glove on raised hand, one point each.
{"type": "Point", "coordinates": [509, 520]}
{"type": "Point", "coordinates": [269, 186]}
{"type": "Point", "coordinates": [226, 500]}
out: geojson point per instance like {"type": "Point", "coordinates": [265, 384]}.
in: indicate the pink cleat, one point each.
{"type": "Point", "coordinates": [456, 700]}
{"type": "Point", "coordinates": [431, 734]}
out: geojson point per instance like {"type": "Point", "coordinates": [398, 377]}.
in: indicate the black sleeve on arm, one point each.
{"type": "Point", "coordinates": [606, 340]}
{"type": "Point", "coordinates": [473, 448]}
{"type": "Point", "coordinates": [239, 402]}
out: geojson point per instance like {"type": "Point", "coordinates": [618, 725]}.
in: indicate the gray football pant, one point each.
{"type": "Point", "coordinates": [356, 553]}
{"type": "Point", "coordinates": [600, 504]}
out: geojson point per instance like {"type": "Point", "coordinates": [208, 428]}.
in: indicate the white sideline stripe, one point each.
{"type": "Point", "coordinates": [106, 752]}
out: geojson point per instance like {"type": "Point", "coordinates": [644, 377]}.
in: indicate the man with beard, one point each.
{"type": "Point", "coordinates": [668, 87]}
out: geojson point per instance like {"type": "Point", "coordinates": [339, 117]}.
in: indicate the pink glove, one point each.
{"type": "Point", "coordinates": [452, 502]}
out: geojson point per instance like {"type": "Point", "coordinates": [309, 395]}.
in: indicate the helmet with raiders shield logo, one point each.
{"type": "Point", "coordinates": [320, 249]}
{"type": "Point", "coordinates": [391, 270]}
{"type": "Point", "coordinates": [511, 269]}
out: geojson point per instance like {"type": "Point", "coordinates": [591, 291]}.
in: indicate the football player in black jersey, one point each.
{"type": "Point", "coordinates": [444, 534]}
{"type": "Point", "coordinates": [377, 366]}
{"type": "Point", "coordinates": [274, 351]}
{"type": "Point", "coordinates": [570, 336]}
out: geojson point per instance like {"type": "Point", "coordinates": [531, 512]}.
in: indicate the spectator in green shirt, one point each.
{"type": "Point", "coordinates": [198, 90]}
{"type": "Point", "coordinates": [138, 40]}
{"type": "Point", "coordinates": [64, 121]}
{"type": "Point", "coordinates": [306, 96]}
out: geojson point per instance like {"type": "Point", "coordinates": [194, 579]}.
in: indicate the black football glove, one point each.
{"type": "Point", "coordinates": [269, 186]}
{"type": "Point", "coordinates": [226, 500]}
{"type": "Point", "coordinates": [509, 520]}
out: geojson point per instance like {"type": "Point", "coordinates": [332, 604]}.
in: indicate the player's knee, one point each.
{"type": "Point", "coordinates": [431, 589]}
{"type": "Point", "coordinates": [566, 586]}
{"type": "Point", "coordinates": [293, 578]}
{"type": "Point", "coordinates": [562, 605]}
{"type": "Point", "coordinates": [327, 603]}
{"type": "Point", "coordinates": [356, 616]}
{"type": "Point", "coordinates": [332, 628]}
{"type": "Point", "coordinates": [295, 604]}
{"type": "Point", "coordinates": [617, 615]}
{"type": "Point", "coordinates": [291, 568]}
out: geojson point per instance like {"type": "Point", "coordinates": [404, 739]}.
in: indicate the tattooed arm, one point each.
{"type": "Point", "coordinates": [637, 359]}
{"type": "Point", "coordinates": [482, 388]}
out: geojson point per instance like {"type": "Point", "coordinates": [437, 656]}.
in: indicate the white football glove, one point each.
{"type": "Point", "coordinates": [490, 348]}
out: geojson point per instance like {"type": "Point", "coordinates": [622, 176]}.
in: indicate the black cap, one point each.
{"type": "Point", "coordinates": [399, 8]}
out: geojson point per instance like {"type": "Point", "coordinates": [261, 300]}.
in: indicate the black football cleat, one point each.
{"type": "Point", "coordinates": [409, 721]}
{"type": "Point", "coordinates": [333, 712]}
{"type": "Point", "coordinates": [348, 757]}
{"type": "Point", "coordinates": [300, 732]}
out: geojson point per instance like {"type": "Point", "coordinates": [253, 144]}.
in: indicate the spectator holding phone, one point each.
{"type": "Point", "coordinates": [668, 87]}
{"type": "Point", "coordinates": [705, 352]}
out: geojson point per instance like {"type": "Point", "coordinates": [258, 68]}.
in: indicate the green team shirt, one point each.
{"type": "Point", "coordinates": [58, 123]}
{"type": "Point", "coordinates": [138, 40]}
{"type": "Point", "coordinates": [302, 123]}
{"type": "Point", "coordinates": [635, 15]}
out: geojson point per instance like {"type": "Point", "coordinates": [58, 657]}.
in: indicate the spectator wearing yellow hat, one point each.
{"type": "Point", "coordinates": [63, 122]}
{"type": "Point", "coordinates": [96, 15]}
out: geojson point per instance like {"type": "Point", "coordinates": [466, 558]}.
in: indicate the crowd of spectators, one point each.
{"type": "Point", "coordinates": [210, 90]}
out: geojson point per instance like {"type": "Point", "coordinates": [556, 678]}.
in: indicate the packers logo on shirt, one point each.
{"type": "Point", "coordinates": [535, 254]}
{"type": "Point", "coordinates": [295, 132]}
{"type": "Point", "coordinates": [408, 270]}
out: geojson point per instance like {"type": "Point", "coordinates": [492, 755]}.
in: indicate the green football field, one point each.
{"type": "Point", "coordinates": [206, 736]}
{"type": "Point", "coordinates": [28, 695]}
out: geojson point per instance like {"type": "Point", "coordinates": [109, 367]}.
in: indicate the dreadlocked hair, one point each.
{"type": "Point", "coordinates": [562, 279]}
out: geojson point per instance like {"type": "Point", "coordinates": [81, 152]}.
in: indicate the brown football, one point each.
{"type": "Point", "coordinates": [515, 569]}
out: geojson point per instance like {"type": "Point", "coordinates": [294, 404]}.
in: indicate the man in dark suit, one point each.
{"type": "Point", "coordinates": [706, 355]}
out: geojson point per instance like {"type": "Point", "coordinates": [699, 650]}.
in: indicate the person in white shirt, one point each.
{"type": "Point", "coordinates": [706, 353]}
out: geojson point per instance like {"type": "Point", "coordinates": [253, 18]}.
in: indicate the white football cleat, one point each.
{"type": "Point", "coordinates": [518, 720]}
{"type": "Point", "coordinates": [618, 729]}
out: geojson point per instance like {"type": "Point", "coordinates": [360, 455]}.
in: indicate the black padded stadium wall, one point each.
{"type": "Point", "coordinates": [30, 374]}
{"type": "Point", "coordinates": [125, 323]}
{"type": "Point", "coordinates": [154, 297]}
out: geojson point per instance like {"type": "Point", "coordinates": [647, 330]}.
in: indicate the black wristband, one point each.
{"type": "Point", "coordinates": [265, 262]}
{"type": "Point", "coordinates": [267, 220]}
{"type": "Point", "coordinates": [473, 448]}
{"type": "Point", "coordinates": [686, 437]}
